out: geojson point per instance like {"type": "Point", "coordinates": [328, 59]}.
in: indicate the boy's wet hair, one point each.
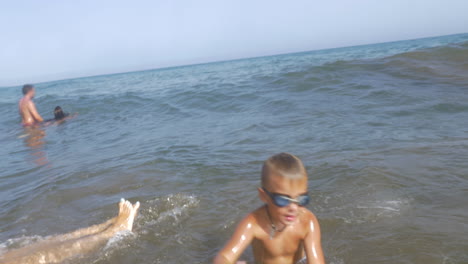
{"type": "Point", "coordinates": [284, 164]}
{"type": "Point", "coordinates": [27, 88]}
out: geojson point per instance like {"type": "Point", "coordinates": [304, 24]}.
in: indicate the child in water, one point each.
{"type": "Point", "coordinates": [282, 230]}
{"type": "Point", "coordinates": [59, 116]}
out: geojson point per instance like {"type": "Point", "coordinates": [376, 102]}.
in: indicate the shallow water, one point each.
{"type": "Point", "coordinates": [381, 128]}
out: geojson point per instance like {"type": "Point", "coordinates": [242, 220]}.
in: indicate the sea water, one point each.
{"type": "Point", "coordinates": [382, 130]}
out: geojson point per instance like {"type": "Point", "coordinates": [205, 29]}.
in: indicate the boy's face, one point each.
{"type": "Point", "coordinates": [292, 188]}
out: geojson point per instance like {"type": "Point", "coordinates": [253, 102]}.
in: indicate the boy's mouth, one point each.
{"type": "Point", "coordinates": [290, 218]}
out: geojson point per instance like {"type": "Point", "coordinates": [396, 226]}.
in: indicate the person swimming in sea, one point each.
{"type": "Point", "coordinates": [28, 111]}
{"type": "Point", "coordinates": [59, 248]}
{"type": "Point", "coordinates": [27, 108]}
{"type": "Point", "coordinates": [59, 116]}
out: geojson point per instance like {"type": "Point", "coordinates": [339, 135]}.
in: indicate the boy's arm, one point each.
{"type": "Point", "coordinates": [238, 243]}
{"type": "Point", "coordinates": [32, 109]}
{"type": "Point", "coordinates": [312, 244]}
{"type": "Point", "coordinates": [71, 116]}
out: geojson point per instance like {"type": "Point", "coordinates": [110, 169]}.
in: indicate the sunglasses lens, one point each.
{"type": "Point", "coordinates": [303, 200]}
{"type": "Point", "coordinates": [280, 201]}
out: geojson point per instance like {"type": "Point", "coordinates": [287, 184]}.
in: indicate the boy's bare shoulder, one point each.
{"type": "Point", "coordinates": [254, 219]}
{"type": "Point", "coordinates": [307, 213]}
{"type": "Point", "coordinates": [255, 216]}
{"type": "Point", "coordinates": [307, 217]}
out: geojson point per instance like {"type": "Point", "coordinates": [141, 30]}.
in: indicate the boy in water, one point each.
{"type": "Point", "coordinates": [282, 230]}
{"type": "Point", "coordinates": [59, 116]}
{"type": "Point", "coordinates": [59, 248]}
{"type": "Point", "coordinates": [27, 108]}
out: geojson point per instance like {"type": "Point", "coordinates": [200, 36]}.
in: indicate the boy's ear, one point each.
{"type": "Point", "coordinates": [262, 195]}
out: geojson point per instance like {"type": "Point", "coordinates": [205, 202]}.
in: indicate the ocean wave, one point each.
{"type": "Point", "coordinates": [447, 64]}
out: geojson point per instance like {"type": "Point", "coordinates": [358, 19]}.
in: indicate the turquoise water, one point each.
{"type": "Point", "coordinates": [381, 128]}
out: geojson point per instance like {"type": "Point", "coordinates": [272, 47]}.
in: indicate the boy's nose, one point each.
{"type": "Point", "coordinates": [293, 206]}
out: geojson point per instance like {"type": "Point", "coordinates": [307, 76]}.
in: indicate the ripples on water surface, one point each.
{"type": "Point", "coordinates": [382, 130]}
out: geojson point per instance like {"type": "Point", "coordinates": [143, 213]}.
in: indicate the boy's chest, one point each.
{"type": "Point", "coordinates": [282, 244]}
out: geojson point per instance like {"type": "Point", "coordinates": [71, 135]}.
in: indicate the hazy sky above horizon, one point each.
{"type": "Point", "coordinates": [59, 39]}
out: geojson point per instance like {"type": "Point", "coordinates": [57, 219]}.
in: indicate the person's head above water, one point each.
{"type": "Point", "coordinates": [284, 181]}
{"type": "Point", "coordinates": [58, 113]}
{"type": "Point", "coordinates": [283, 165]}
{"type": "Point", "coordinates": [27, 88]}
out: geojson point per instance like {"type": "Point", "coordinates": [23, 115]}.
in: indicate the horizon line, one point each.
{"type": "Point", "coordinates": [227, 60]}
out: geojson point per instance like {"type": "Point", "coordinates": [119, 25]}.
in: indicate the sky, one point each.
{"type": "Point", "coordinates": [60, 39]}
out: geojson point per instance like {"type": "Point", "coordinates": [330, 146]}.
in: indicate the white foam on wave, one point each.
{"type": "Point", "coordinates": [18, 242]}
{"type": "Point", "coordinates": [363, 208]}
{"type": "Point", "coordinates": [390, 206]}
{"type": "Point", "coordinates": [118, 238]}
{"type": "Point", "coordinates": [172, 207]}
{"type": "Point", "coordinates": [372, 211]}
